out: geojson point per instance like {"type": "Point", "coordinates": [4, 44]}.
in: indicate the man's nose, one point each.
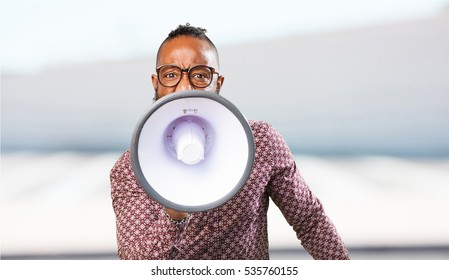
{"type": "Point", "coordinates": [184, 84]}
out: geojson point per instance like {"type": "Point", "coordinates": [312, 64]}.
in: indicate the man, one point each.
{"type": "Point", "coordinates": [187, 60]}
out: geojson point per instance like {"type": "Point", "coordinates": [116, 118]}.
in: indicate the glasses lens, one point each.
{"type": "Point", "coordinates": [169, 75]}
{"type": "Point", "coordinates": [200, 76]}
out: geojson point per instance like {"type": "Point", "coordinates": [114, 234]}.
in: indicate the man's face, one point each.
{"type": "Point", "coordinates": [186, 52]}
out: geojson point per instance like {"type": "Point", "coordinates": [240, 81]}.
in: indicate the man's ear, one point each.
{"type": "Point", "coordinates": [220, 82]}
{"type": "Point", "coordinates": [155, 83]}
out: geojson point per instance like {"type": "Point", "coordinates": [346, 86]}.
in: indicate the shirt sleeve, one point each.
{"type": "Point", "coordinates": [302, 210]}
{"type": "Point", "coordinates": [143, 231]}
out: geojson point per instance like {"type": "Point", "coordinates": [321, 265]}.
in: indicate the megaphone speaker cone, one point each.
{"type": "Point", "coordinates": [188, 140]}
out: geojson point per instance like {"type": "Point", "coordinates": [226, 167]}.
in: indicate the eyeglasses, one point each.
{"type": "Point", "coordinates": [200, 76]}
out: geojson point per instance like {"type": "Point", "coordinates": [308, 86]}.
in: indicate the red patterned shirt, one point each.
{"type": "Point", "coordinates": [234, 230]}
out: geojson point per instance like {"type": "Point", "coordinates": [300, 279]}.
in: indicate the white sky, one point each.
{"type": "Point", "coordinates": [36, 34]}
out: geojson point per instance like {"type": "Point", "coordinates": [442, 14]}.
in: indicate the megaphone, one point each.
{"type": "Point", "coordinates": [192, 151]}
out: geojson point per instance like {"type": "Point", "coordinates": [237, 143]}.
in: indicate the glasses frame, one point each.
{"type": "Point", "coordinates": [187, 70]}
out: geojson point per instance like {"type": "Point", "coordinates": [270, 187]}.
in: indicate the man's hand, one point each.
{"type": "Point", "coordinates": [175, 215]}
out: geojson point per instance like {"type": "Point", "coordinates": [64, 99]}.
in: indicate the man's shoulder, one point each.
{"type": "Point", "coordinates": [265, 132]}
{"type": "Point", "coordinates": [259, 126]}
{"type": "Point", "coordinates": [262, 128]}
{"type": "Point", "coordinates": [122, 163]}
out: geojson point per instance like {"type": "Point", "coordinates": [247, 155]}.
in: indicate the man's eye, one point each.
{"type": "Point", "coordinates": [201, 76]}
{"type": "Point", "coordinates": [170, 75]}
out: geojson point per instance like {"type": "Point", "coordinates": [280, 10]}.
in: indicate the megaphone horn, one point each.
{"type": "Point", "coordinates": [192, 151]}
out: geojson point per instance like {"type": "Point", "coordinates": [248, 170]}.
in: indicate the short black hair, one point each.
{"type": "Point", "coordinates": [188, 30]}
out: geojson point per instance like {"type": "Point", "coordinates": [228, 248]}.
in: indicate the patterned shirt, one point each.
{"type": "Point", "coordinates": [234, 230]}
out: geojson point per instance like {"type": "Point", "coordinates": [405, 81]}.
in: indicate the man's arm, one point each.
{"type": "Point", "coordinates": [143, 230]}
{"type": "Point", "coordinates": [302, 210]}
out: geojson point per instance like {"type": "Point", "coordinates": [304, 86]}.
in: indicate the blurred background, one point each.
{"type": "Point", "coordinates": [359, 90]}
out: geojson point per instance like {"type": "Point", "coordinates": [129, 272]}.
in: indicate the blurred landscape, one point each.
{"type": "Point", "coordinates": [382, 89]}
{"type": "Point", "coordinates": [364, 110]}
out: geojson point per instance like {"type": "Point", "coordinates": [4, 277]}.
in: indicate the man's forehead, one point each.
{"type": "Point", "coordinates": [187, 50]}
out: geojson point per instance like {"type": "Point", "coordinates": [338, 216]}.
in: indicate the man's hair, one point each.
{"type": "Point", "coordinates": [188, 30]}
{"type": "Point", "coordinates": [191, 31]}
